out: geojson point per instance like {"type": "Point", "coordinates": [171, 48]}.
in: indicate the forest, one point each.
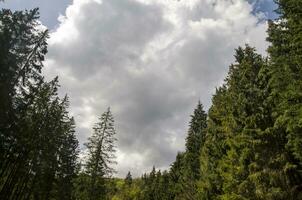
{"type": "Point", "coordinates": [247, 146]}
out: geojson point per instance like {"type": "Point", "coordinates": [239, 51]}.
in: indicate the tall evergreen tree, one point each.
{"type": "Point", "coordinates": [128, 179]}
{"type": "Point", "coordinates": [53, 147]}
{"type": "Point", "coordinates": [176, 176]}
{"type": "Point", "coordinates": [67, 161]}
{"type": "Point", "coordinates": [248, 119]}
{"type": "Point", "coordinates": [101, 154]}
{"type": "Point", "coordinates": [22, 50]}
{"type": "Point", "coordinates": [236, 121]}
{"type": "Point", "coordinates": [194, 142]}
{"type": "Point", "coordinates": [34, 121]}
{"type": "Point", "coordinates": [214, 148]}
{"type": "Point", "coordinates": [286, 89]}
{"type": "Point", "coordinates": [35, 127]}
{"type": "Point", "coordinates": [166, 186]}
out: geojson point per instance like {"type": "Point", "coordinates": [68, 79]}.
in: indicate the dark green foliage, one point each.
{"type": "Point", "coordinates": [245, 137]}
{"type": "Point", "coordinates": [22, 49]}
{"type": "Point", "coordinates": [254, 122]}
{"type": "Point", "coordinates": [286, 89]}
{"type": "Point", "coordinates": [245, 156]}
{"type": "Point", "coordinates": [67, 163]}
{"type": "Point", "coordinates": [181, 180]}
{"type": "Point", "coordinates": [38, 146]}
{"type": "Point", "coordinates": [157, 186]}
{"type": "Point", "coordinates": [101, 149]}
{"type": "Point", "coordinates": [54, 146]}
{"type": "Point", "coordinates": [191, 163]}
{"type": "Point", "coordinates": [81, 187]}
{"type": "Point", "coordinates": [176, 176]}
{"type": "Point", "coordinates": [128, 179]}
{"type": "Point", "coordinates": [214, 148]}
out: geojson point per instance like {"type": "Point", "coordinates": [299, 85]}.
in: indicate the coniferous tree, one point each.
{"type": "Point", "coordinates": [166, 186]}
{"type": "Point", "coordinates": [194, 142]}
{"type": "Point", "coordinates": [128, 179]}
{"type": "Point", "coordinates": [250, 156]}
{"type": "Point", "coordinates": [248, 120]}
{"type": "Point", "coordinates": [214, 147]}
{"type": "Point", "coordinates": [67, 162]}
{"type": "Point", "coordinates": [34, 121]}
{"type": "Point", "coordinates": [101, 152]}
{"type": "Point", "coordinates": [285, 91]}
{"type": "Point", "coordinates": [53, 149]}
{"type": "Point", "coordinates": [81, 186]}
{"type": "Point", "coordinates": [236, 121]}
{"type": "Point", "coordinates": [22, 50]}
{"type": "Point", "coordinates": [176, 176]}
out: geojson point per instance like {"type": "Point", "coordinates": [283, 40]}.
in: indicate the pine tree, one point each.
{"type": "Point", "coordinates": [166, 186]}
{"type": "Point", "coordinates": [286, 90]}
{"type": "Point", "coordinates": [53, 149]}
{"type": "Point", "coordinates": [176, 176]}
{"type": "Point", "coordinates": [194, 142]}
{"type": "Point", "coordinates": [101, 154]}
{"type": "Point", "coordinates": [67, 161]}
{"type": "Point", "coordinates": [37, 141]}
{"type": "Point", "coordinates": [248, 120]}
{"type": "Point", "coordinates": [214, 147]}
{"type": "Point", "coordinates": [33, 118]}
{"type": "Point", "coordinates": [128, 179]}
{"type": "Point", "coordinates": [236, 121]}
{"type": "Point", "coordinates": [22, 50]}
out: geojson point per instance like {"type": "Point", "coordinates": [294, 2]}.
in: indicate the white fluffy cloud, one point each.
{"type": "Point", "coordinates": [150, 61]}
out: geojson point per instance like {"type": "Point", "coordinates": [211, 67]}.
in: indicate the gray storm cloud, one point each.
{"type": "Point", "coordinates": [150, 61]}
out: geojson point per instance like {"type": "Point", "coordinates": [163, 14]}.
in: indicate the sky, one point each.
{"type": "Point", "coordinates": [151, 61]}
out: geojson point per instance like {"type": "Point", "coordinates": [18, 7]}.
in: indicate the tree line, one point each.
{"type": "Point", "coordinates": [39, 148]}
{"type": "Point", "coordinates": [247, 146]}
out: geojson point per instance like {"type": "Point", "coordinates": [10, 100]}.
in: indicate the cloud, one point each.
{"type": "Point", "coordinates": [150, 61]}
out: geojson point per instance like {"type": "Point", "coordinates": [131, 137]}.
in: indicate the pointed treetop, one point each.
{"type": "Point", "coordinates": [128, 179]}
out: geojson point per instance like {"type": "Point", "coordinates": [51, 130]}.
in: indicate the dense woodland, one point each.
{"type": "Point", "coordinates": [247, 146]}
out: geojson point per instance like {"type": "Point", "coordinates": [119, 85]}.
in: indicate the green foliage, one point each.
{"type": "Point", "coordinates": [81, 186]}
{"type": "Point", "coordinates": [120, 190]}
{"type": "Point", "coordinates": [101, 149]}
{"type": "Point", "coordinates": [38, 145]}
{"type": "Point", "coordinates": [244, 137]}
{"type": "Point", "coordinates": [156, 186]}
{"type": "Point", "coordinates": [191, 164]}
{"type": "Point", "coordinates": [214, 148]}
{"type": "Point", "coordinates": [128, 179]}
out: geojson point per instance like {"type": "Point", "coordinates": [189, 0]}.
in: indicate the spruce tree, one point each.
{"type": "Point", "coordinates": [286, 86]}
{"type": "Point", "coordinates": [34, 121]}
{"type": "Point", "coordinates": [128, 179]}
{"type": "Point", "coordinates": [22, 50]}
{"type": "Point", "coordinates": [248, 120]}
{"type": "Point", "coordinates": [214, 147]}
{"type": "Point", "coordinates": [176, 176]}
{"type": "Point", "coordinates": [194, 142]}
{"type": "Point", "coordinates": [67, 161]}
{"type": "Point", "coordinates": [236, 123]}
{"type": "Point", "coordinates": [101, 155]}
{"type": "Point", "coordinates": [53, 147]}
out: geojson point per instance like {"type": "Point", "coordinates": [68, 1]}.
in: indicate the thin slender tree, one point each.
{"type": "Point", "coordinates": [101, 155]}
